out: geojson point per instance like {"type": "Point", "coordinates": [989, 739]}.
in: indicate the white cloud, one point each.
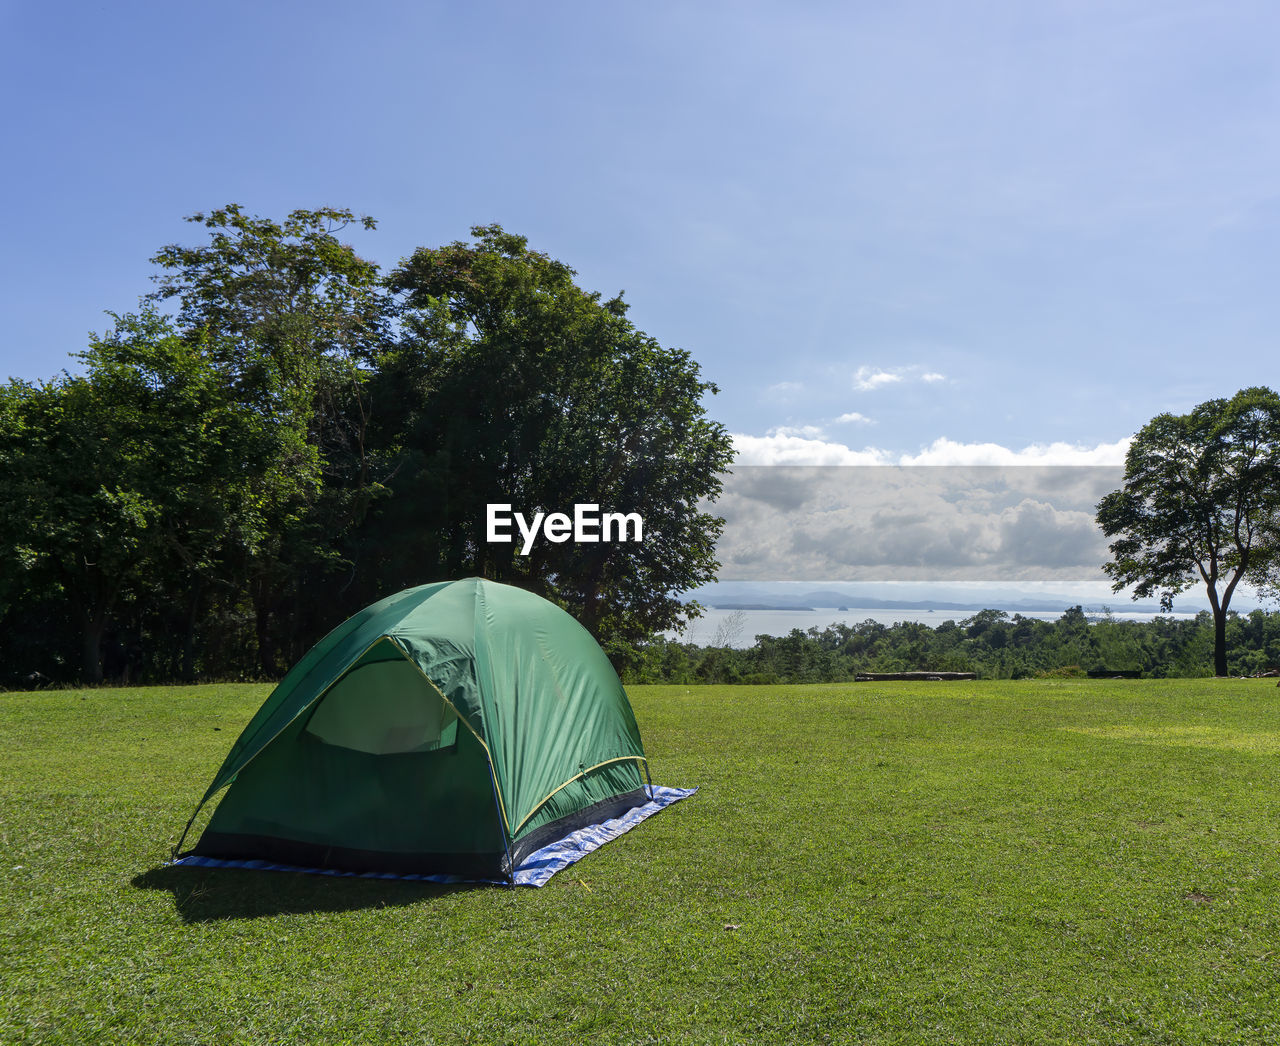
{"type": "Point", "coordinates": [868, 379]}
{"type": "Point", "coordinates": [854, 418]}
{"type": "Point", "coordinates": [1035, 532]}
{"type": "Point", "coordinates": [865, 379]}
{"type": "Point", "coordinates": [943, 451]}
{"type": "Point", "coordinates": [803, 431]}
{"type": "Point", "coordinates": [803, 445]}
{"type": "Point", "coordinates": [780, 448]}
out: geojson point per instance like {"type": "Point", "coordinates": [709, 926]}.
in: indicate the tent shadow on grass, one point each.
{"type": "Point", "coordinates": [208, 894]}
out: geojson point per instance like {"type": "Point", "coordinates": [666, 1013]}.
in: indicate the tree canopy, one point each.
{"type": "Point", "coordinates": [1200, 497]}
{"type": "Point", "coordinates": [554, 399]}
{"type": "Point", "coordinates": [303, 435]}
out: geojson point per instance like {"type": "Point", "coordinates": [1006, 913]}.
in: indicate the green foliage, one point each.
{"type": "Point", "coordinates": [554, 399]}
{"type": "Point", "coordinates": [221, 488]}
{"type": "Point", "coordinates": [989, 643]}
{"type": "Point", "coordinates": [282, 299]}
{"type": "Point", "coordinates": [142, 480]}
{"type": "Point", "coordinates": [1199, 495]}
{"type": "Point", "coordinates": [1048, 862]}
{"type": "Point", "coordinates": [294, 317]}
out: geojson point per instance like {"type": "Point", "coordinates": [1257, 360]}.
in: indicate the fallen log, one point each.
{"type": "Point", "coordinates": [889, 677]}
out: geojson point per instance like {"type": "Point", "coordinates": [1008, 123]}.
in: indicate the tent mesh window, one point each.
{"type": "Point", "coordinates": [383, 706]}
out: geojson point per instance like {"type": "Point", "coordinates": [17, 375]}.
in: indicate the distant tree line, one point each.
{"type": "Point", "coordinates": [283, 434]}
{"type": "Point", "coordinates": [990, 643]}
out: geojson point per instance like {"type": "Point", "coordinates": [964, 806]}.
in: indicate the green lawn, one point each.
{"type": "Point", "coordinates": [1030, 862]}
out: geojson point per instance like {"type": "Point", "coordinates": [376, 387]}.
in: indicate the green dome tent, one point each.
{"type": "Point", "coordinates": [451, 729]}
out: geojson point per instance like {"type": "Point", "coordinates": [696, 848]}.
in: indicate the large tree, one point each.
{"type": "Point", "coordinates": [517, 386]}
{"type": "Point", "coordinates": [135, 483]}
{"type": "Point", "coordinates": [75, 519]}
{"type": "Point", "coordinates": [1200, 491]}
{"type": "Point", "coordinates": [301, 438]}
{"type": "Point", "coordinates": [295, 316]}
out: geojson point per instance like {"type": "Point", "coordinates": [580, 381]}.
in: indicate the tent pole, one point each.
{"type": "Point", "coordinates": [497, 808]}
{"type": "Point", "coordinates": [173, 853]}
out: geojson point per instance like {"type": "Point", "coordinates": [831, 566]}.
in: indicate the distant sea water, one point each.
{"type": "Point", "coordinates": [713, 623]}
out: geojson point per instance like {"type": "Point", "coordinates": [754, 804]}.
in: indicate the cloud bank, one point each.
{"type": "Point", "coordinates": [805, 445]}
{"type": "Point", "coordinates": [859, 519]}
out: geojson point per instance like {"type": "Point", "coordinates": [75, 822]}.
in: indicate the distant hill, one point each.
{"type": "Point", "coordinates": [758, 606]}
{"type": "Point", "coordinates": [756, 599]}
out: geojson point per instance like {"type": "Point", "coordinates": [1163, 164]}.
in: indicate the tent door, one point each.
{"type": "Point", "coordinates": [383, 706]}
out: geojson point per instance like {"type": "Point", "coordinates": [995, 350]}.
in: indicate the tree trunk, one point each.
{"type": "Point", "coordinates": [266, 647]}
{"type": "Point", "coordinates": [95, 624]}
{"type": "Point", "coordinates": [189, 637]}
{"type": "Point", "coordinates": [263, 605]}
{"type": "Point", "coordinates": [1219, 641]}
{"type": "Point", "coordinates": [592, 598]}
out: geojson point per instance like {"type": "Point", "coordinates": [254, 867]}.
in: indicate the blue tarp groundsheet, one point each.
{"type": "Point", "coordinates": [535, 870]}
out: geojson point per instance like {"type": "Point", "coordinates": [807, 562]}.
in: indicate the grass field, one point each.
{"type": "Point", "coordinates": [1029, 862]}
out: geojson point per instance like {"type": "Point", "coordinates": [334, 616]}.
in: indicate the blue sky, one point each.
{"type": "Point", "coordinates": [922, 232]}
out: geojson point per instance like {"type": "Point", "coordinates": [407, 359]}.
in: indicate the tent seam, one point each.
{"type": "Point", "coordinates": [474, 733]}
{"type": "Point", "coordinates": [577, 777]}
